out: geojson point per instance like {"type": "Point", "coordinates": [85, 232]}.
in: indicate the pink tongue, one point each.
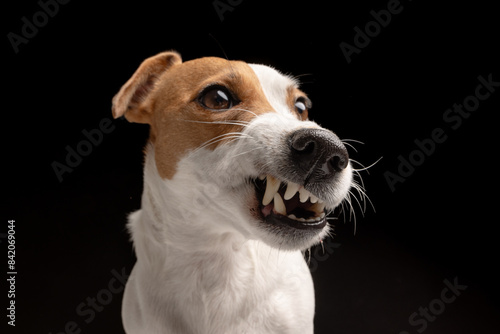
{"type": "Point", "coordinates": [266, 211]}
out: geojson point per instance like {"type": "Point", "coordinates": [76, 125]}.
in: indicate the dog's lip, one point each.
{"type": "Point", "coordinates": [300, 209]}
{"type": "Point", "coordinates": [277, 219]}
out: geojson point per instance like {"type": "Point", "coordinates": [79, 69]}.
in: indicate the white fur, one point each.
{"type": "Point", "coordinates": [199, 273]}
{"type": "Point", "coordinates": [274, 87]}
{"type": "Point", "coordinates": [204, 265]}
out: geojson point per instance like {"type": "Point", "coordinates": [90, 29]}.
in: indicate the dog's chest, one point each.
{"type": "Point", "coordinates": [257, 290]}
{"type": "Point", "coordinates": [273, 295]}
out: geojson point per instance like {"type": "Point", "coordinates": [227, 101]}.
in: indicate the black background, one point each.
{"type": "Point", "coordinates": [439, 224]}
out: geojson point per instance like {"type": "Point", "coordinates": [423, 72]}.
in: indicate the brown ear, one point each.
{"type": "Point", "coordinates": [135, 91]}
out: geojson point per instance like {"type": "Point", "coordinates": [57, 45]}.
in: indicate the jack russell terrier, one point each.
{"type": "Point", "coordinates": [237, 183]}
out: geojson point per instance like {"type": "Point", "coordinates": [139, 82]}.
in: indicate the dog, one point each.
{"type": "Point", "coordinates": [237, 183]}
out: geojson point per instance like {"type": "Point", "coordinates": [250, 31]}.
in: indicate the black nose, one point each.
{"type": "Point", "coordinates": [317, 153]}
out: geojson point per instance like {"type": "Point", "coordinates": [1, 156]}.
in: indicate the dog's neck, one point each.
{"type": "Point", "coordinates": [205, 259]}
{"type": "Point", "coordinates": [182, 219]}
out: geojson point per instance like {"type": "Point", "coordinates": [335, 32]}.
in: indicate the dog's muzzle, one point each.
{"type": "Point", "coordinates": [294, 197]}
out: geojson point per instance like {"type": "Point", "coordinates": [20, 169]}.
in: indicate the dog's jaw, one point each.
{"type": "Point", "coordinates": [265, 162]}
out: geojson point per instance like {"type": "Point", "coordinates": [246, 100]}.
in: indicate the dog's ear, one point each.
{"type": "Point", "coordinates": [129, 100]}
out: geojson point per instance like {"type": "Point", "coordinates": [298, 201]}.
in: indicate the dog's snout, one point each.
{"type": "Point", "coordinates": [317, 153]}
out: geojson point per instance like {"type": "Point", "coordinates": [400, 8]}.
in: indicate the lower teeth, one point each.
{"type": "Point", "coordinates": [309, 220]}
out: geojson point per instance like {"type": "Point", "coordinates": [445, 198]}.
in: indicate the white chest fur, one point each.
{"type": "Point", "coordinates": [223, 284]}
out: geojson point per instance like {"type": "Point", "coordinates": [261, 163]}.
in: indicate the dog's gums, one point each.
{"type": "Point", "coordinates": [289, 203]}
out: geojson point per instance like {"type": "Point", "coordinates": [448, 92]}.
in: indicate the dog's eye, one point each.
{"type": "Point", "coordinates": [300, 107]}
{"type": "Point", "coordinates": [302, 104]}
{"type": "Point", "coordinates": [216, 98]}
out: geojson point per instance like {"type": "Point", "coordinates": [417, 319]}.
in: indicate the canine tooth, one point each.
{"type": "Point", "coordinates": [292, 216]}
{"type": "Point", "coordinates": [279, 205]}
{"type": "Point", "coordinates": [272, 186]}
{"type": "Point", "coordinates": [303, 195]}
{"type": "Point", "coordinates": [313, 199]}
{"type": "Point", "coordinates": [322, 215]}
{"type": "Point", "coordinates": [291, 190]}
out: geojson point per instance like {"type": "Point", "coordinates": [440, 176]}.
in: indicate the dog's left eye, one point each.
{"type": "Point", "coordinates": [302, 104]}
{"type": "Point", "coordinates": [216, 98]}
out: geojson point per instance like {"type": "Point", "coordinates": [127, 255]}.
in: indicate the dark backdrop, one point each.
{"type": "Point", "coordinates": [424, 259]}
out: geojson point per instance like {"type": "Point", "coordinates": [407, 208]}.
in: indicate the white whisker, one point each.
{"type": "Point", "coordinates": [229, 135]}
{"type": "Point", "coordinates": [235, 122]}
{"type": "Point", "coordinates": [365, 168]}
{"type": "Point", "coordinates": [246, 110]}
{"type": "Point", "coordinates": [352, 212]}
{"type": "Point", "coordinates": [242, 153]}
{"type": "Point", "coordinates": [355, 150]}
{"type": "Point", "coordinates": [357, 193]}
{"type": "Point", "coordinates": [353, 140]}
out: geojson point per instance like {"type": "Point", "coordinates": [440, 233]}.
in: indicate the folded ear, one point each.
{"type": "Point", "coordinates": [129, 101]}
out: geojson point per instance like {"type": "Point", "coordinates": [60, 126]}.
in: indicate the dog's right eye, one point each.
{"type": "Point", "coordinates": [216, 98]}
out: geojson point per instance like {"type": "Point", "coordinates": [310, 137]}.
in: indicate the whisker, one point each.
{"type": "Point", "coordinates": [361, 191]}
{"type": "Point", "coordinates": [229, 135]}
{"type": "Point", "coordinates": [242, 123]}
{"type": "Point", "coordinates": [352, 212]}
{"type": "Point", "coordinates": [362, 207]}
{"type": "Point", "coordinates": [362, 195]}
{"type": "Point", "coordinates": [366, 168]}
{"type": "Point", "coordinates": [302, 75]}
{"type": "Point", "coordinates": [351, 146]}
{"type": "Point", "coordinates": [222, 49]}
{"type": "Point", "coordinates": [356, 162]}
{"type": "Point", "coordinates": [353, 140]}
{"type": "Point", "coordinates": [246, 110]}
{"type": "Point", "coordinates": [242, 153]}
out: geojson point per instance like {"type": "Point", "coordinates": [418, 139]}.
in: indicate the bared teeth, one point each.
{"type": "Point", "coordinates": [304, 195]}
{"type": "Point", "coordinates": [291, 190]}
{"type": "Point", "coordinates": [271, 194]}
{"type": "Point", "coordinates": [272, 186]}
{"type": "Point", "coordinates": [313, 199]}
{"type": "Point", "coordinates": [279, 205]}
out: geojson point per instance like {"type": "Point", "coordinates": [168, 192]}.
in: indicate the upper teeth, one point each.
{"type": "Point", "coordinates": [279, 205]}
{"type": "Point", "coordinates": [304, 195]}
{"type": "Point", "coordinates": [272, 187]}
{"type": "Point", "coordinates": [271, 194]}
{"type": "Point", "coordinates": [291, 190]}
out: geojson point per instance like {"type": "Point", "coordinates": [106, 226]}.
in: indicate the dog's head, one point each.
{"type": "Point", "coordinates": [242, 132]}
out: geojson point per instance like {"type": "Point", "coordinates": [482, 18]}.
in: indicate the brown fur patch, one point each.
{"type": "Point", "coordinates": [180, 123]}
{"type": "Point", "coordinates": [134, 92]}
{"type": "Point", "coordinates": [164, 93]}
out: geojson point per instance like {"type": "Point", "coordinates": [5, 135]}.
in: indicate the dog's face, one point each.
{"type": "Point", "coordinates": [241, 130]}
